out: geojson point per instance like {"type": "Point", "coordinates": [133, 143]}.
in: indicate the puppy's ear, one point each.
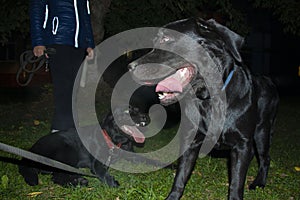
{"type": "Point", "coordinates": [233, 40]}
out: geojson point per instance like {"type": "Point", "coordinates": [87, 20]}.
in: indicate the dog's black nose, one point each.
{"type": "Point", "coordinates": [132, 66]}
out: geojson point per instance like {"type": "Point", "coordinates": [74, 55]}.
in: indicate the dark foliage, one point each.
{"type": "Point", "coordinates": [126, 15]}
{"type": "Point", "coordinates": [14, 19]}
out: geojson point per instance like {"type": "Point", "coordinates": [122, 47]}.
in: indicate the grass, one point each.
{"type": "Point", "coordinates": [208, 182]}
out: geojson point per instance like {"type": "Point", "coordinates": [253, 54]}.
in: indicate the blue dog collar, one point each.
{"type": "Point", "coordinates": [228, 79]}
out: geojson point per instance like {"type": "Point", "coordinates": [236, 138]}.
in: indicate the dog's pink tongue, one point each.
{"type": "Point", "coordinates": [137, 135]}
{"type": "Point", "coordinates": [170, 84]}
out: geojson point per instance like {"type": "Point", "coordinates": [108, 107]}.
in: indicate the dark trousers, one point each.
{"type": "Point", "coordinates": [64, 66]}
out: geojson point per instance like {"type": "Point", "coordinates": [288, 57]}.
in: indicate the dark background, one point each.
{"type": "Point", "coordinates": [271, 30]}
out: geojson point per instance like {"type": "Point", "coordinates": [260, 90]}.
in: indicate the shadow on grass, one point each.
{"type": "Point", "coordinates": [209, 179]}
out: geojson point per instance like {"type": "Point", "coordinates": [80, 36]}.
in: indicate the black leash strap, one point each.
{"type": "Point", "coordinates": [29, 64]}
{"type": "Point", "coordinates": [42, 159]}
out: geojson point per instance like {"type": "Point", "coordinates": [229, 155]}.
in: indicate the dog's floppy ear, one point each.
{"type": "Point", "coordinates": [233, 40]}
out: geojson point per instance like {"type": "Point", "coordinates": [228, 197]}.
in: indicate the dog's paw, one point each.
{"type": "Point", "coordinates": [109, 180]}
{"type": "Point", "coordinates": [32, 181]}
{"type": "Point", "coordinates": [255, 184]}
{"type": "Point", "coordinates": [69, 180]}
{"type": "Point", "coordinates": [173, 196]}
{"type": "Point", "coordinates": [30, 175]}
{"type": "Point", "coordinates": [81, 181]}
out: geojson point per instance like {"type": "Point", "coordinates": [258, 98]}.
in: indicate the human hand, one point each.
{"type": "Point", "coordinates": [90, 53]}
{"type": "Point", "coordinates": [39, 51]}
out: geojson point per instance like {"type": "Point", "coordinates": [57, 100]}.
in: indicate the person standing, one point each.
{"type": "Point", "coordinates": [64, 25]}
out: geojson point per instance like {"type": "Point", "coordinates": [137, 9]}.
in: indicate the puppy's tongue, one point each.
{"type": "Point", "coordinates": [137, 135]}
{"type": "Point", "coordinates": [170, 84]}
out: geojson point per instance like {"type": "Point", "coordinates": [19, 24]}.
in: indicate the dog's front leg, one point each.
{"type": "Point", "coordinates": [191, 142]}
{"type": "Point", "coordinates": [186, 165]}
{"type": "Point", "coordinates": [102, 172]}
{"type": "Point", "coordinates": [240, 160]}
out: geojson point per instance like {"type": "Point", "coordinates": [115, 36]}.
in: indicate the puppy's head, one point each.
{"type": "Point", "coordinates": [171, 73]}
{"type": "Point", "coordinates": [122, 125]}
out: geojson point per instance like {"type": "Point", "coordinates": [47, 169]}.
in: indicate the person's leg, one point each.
{"type": "Point", "coordinates": [64, 66]}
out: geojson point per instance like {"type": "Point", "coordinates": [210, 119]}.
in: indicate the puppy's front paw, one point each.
{"type": "Point", "coordinates": [173, 196]}
{"type": "Point", "coordinates": [109, 180]}
{"type": "Point", "coordinates": [82, 181]}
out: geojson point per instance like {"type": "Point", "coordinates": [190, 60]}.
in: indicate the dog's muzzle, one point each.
{"type": "Point", "coordinates": [149, 73]}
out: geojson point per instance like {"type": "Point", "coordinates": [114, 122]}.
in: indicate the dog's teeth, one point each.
{"type": "Point", "coordinates": [182, 72]}
{"type": "Point", "coordinates": [161, 96]}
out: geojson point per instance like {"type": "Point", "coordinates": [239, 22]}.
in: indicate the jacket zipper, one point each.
{"type": "Point", "coordinates": [88, 6]}
{"type": "Point", "coordinates": [77, 23]}
{"type": "Point", "coordinates": [46, 17]}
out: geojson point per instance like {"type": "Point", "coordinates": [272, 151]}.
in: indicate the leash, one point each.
{"type": "Point", "coordinates": [42, 159]}
{"type": "Point", "coordinates": [56, 164]}
{"type": "Point", "coordinates": [111, 147]}
{"type": "Point", "coordinates": [29, 64]}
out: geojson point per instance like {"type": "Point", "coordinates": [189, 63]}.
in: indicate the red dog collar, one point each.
{"type": "Point", "coordinates": [108, 140]}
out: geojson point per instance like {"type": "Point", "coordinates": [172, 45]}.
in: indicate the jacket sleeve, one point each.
{"type": "Point", "coordinates": [37, 18]}
{"type": "Point", "coordinates": [90, 36]}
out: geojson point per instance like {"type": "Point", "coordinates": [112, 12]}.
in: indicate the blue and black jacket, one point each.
{"type": "Point", "coordinates": [64, 22]}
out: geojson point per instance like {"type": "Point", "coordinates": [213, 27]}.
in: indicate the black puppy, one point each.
{"type": "Point", "coordinates": [251, 102]}
{"type": "Point", "coordinates": [67, 147]}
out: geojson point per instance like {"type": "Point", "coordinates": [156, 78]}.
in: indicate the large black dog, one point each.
{"type": "Point", "coordinates": [251, 102]}
{"type": "Point", "coordinates": [66, 147]}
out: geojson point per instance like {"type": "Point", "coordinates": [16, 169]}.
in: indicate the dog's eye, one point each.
{"type": "Point", "coordinates": [164, 39]}
{"type": "Point", "coordinates": [201, 42]}
{"type": "Point", "coordinates": [203, 26]}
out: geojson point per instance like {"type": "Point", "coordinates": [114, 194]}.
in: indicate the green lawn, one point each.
{"type": "Point", "coordinates": [209, 179]}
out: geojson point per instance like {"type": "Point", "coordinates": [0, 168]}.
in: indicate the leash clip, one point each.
{"type": "Point", "coordinates": [108, 161]}
{"type": "Point", "coordinates": [111, 152]}
{"type": "Point", "coordinates": [47, 52]}
{"type": "Point", "coordinates": [47, 65]}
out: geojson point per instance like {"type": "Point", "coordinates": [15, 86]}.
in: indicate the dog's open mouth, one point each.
{"type": "Point", "coordinates": [172, 86]}
{"type": "Point", "coordinates": [134, 132]}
